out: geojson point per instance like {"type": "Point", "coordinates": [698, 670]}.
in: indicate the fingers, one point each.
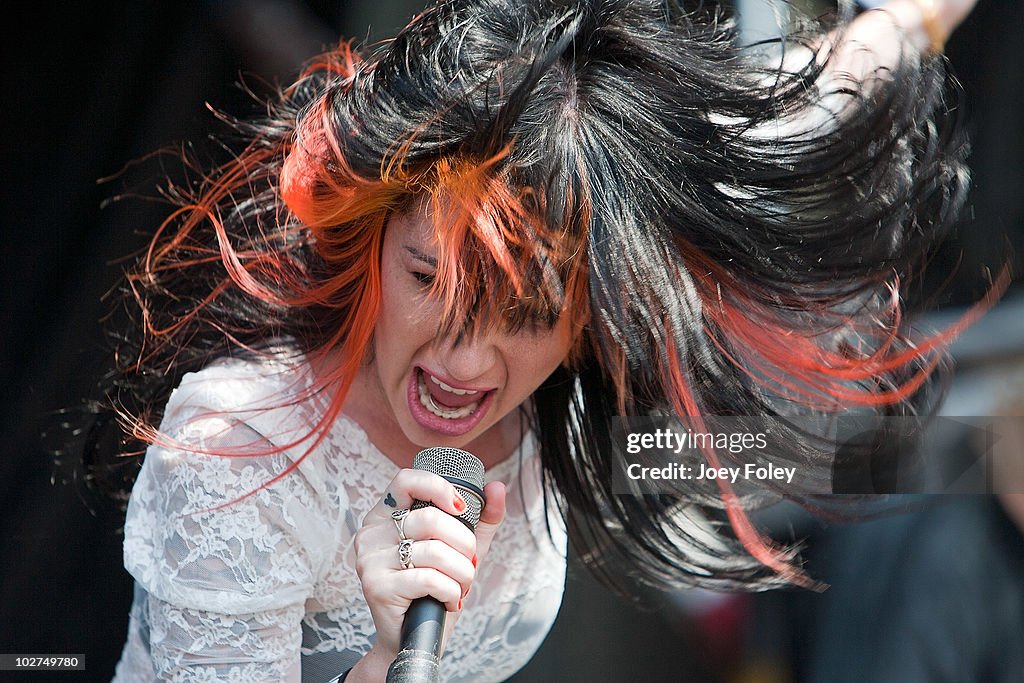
{"type": "Point", "coordinates": [494, 506]}
{"type": "Point", "coordinates": [491, 516]}
{"type": "Point", "coordinates": [410, 584]}
{"type": "Point", "coordinates": [435, 567]}
{"type": "Point", "coordinates": [430, 523]}
{"type": "Point", "coordinates": [424, 524]}
{"type": "Point", "coordinates": [443, 555]}
{"type": "Point", "coordinates": [435, 570]}
{"type": "Point", "coordinates": [443, 551]}
{"type": "Point", "coordinates": [411, 485]}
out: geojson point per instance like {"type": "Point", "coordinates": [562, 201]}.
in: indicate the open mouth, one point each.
{"type": "Point", "coordinates": [438, 398]}
{"type": "Point", "coordinates": [440, 407]}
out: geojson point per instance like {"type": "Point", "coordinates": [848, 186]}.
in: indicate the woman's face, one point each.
{"type": "Point", "coordinates": [436, 393]}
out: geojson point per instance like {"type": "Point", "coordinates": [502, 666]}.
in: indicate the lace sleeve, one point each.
{"type": "Point", "coordinates": [194, 645]}
{"type": "Point", "coordinates": [226, 580]}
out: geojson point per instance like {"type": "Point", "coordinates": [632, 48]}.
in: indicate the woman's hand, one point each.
{"type": "Point", "coordinates": [444, 554]}
{"type": "Point", "coordinates": [875, 42]}
{"type": "Point", "coordinates": [929, 23]}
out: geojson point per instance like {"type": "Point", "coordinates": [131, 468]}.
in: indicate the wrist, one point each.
{"type": "Point", "coordinates": [933, 26]}
{"type": "Point", "coordinates": [372, 668]}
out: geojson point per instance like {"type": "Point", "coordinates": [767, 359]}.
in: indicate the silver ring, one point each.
{"type": "Point", "coordinates": [399, 517]}
{"type": "Point", "coordinates": [405, 554]}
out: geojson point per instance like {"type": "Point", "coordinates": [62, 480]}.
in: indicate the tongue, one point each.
{"type": "Point", "coordinates": [447, 399]}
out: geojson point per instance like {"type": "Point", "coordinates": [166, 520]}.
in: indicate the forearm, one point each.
{"type": "Point", "coordinates": [372, 668]}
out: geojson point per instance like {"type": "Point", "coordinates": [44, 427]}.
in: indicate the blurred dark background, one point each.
{"type": "Point", "coordinates": [93, 87]}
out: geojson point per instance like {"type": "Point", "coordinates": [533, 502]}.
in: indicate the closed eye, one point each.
{"type": "Point", "coordinates": [425, 279]}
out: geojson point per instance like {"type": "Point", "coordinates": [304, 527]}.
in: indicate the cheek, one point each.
{"type": "Point", "coordinates": [536, 359]}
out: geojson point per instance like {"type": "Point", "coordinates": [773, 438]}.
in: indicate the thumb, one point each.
{"type": "Point", "coordinates": [491, 516]}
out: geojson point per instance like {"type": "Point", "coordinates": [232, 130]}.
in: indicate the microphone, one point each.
{"type": "Point", "coordinates": [419, 656]}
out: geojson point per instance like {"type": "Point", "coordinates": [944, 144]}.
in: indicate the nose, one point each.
{"type": "Point", "coordinates": [467, 359]}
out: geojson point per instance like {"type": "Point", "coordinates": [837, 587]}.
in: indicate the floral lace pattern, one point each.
{"type": "Point", "coordinates": [245, 590]}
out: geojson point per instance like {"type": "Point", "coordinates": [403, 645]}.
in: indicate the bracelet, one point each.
{"type": "Point", "coordinates": [937, 35]}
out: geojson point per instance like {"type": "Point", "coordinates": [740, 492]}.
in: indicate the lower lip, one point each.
{"type": "Point", "coordinates": [441, 425]}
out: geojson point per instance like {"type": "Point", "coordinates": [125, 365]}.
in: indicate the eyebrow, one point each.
{"type": "Point", "coordinates": [426, 258]}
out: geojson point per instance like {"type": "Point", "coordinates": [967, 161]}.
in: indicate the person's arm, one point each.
{"type": "Point", "coordinates": [877, 40]}
{"type": "Point", "coordinates": [226, 579]}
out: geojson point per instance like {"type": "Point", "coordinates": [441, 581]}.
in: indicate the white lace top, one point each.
{"type": "Point", "coordinates": [265, 589]}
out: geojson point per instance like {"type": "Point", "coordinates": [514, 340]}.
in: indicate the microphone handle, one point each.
{"type": "Point", "coordinates": [419, 661]}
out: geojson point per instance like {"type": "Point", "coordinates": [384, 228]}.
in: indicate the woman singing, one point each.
{"type": "Point", "coordinates": [497, 232]}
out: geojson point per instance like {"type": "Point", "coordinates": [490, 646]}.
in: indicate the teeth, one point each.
{"type": "Point", "coordinates": [457, 392]}
{"type": "Point", "coordinates": [427, 401]}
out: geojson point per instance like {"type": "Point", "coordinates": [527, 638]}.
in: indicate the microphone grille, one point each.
{"type": "Point", "coordinates": [463, 470]}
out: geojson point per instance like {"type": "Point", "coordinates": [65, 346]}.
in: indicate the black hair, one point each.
{"type": "Point", "coordinates": [739, 222]}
